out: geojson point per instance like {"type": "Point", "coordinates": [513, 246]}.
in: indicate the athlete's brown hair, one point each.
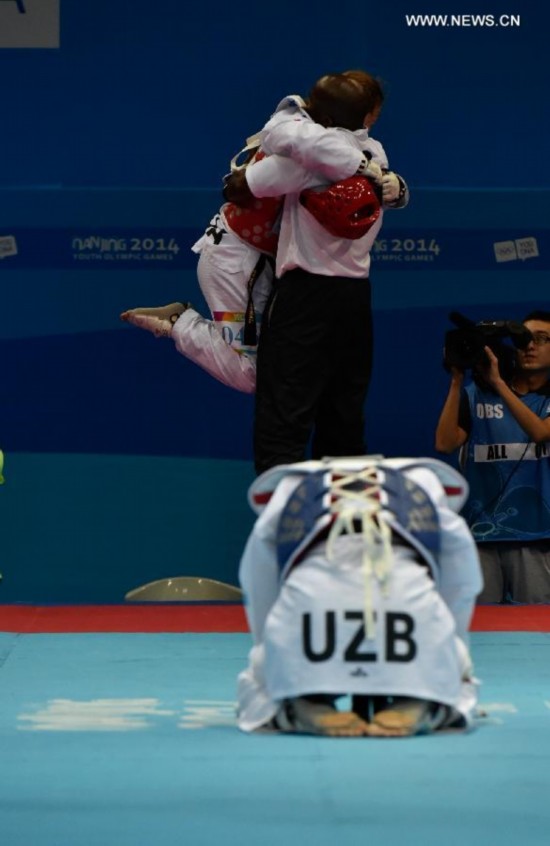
{"type": "Point", "coordinates": [344, 99]}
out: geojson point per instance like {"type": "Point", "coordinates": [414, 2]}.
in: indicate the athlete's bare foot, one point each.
{"type": "Point", "coordinates": [158, 320]}
{"type": "Point", "coordinates": [340, 724]}
{"type": "Point", "coordinates": [302, 716]}
{"type": "Point", "coordinates": [405, 717]}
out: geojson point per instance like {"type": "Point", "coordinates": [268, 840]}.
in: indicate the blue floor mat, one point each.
{"type": "Point", "coordinates": [130, 739]}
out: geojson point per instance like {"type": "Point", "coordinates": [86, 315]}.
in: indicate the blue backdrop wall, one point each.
{"type": "Point", "coordinates": [124, 463]}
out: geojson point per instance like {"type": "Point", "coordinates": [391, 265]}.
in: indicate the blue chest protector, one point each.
{"type": "Point", "coordinates": [305, 515]}
{"type": "Point", "coordinates": [311, 508]}
{"type": "Point", "coordinates": [414, 516]}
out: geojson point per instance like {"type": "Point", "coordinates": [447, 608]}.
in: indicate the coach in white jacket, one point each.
{"type": "Point", "coordinates": [315, 352]}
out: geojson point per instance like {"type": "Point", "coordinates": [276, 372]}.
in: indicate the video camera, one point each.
{"type": "Point", "coordinates": [464, 346]}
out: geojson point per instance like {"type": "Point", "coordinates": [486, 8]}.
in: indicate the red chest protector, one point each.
{"type": "Point", "coordinates": [256, 224]}
{"type": "Point", "coordinates": [346, 209]}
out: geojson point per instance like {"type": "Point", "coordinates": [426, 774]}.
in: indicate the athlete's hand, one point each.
{"type": "Point", "coordinates": [391, 187]}
{"type": "Point", "coordinates": [370, 168]}
{"type": "Point", "coordinates": [236, 189]}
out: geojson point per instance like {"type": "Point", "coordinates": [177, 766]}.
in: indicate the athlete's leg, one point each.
{"type": "Point", "coordinates": [200, 341]}
{"type": "Point", "coordinates": [216, 345]}
{"type": "Point", "coordinates": [224, 272]}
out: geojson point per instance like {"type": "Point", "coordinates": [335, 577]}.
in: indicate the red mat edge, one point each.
{"type": "Point", "coordinates": [160, 617]}
{"type": "Point", "coordinates": [157, 617]}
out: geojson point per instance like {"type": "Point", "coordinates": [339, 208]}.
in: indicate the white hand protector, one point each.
{"type": "Point", "coordinates": [391, 187]}
{"type": "Point", "coordinates": [368, 167]}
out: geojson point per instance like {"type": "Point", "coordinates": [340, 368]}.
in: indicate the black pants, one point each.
{"type": "Point", "coordinates": [314, 367]}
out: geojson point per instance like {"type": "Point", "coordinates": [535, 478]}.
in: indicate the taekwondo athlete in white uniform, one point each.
{"type": "Point", "coordinates": [360, 580]}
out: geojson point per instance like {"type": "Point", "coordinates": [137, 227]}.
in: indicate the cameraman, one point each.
{"type": "Point", "coordinates": [503, 429]}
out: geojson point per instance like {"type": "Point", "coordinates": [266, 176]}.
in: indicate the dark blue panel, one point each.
{"type": "Point", "coordinates": [125, 392]}
{"type": "Point", "coordinates": [163, 94]}
{"type": "Point", "coordinates": [117, 392]}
